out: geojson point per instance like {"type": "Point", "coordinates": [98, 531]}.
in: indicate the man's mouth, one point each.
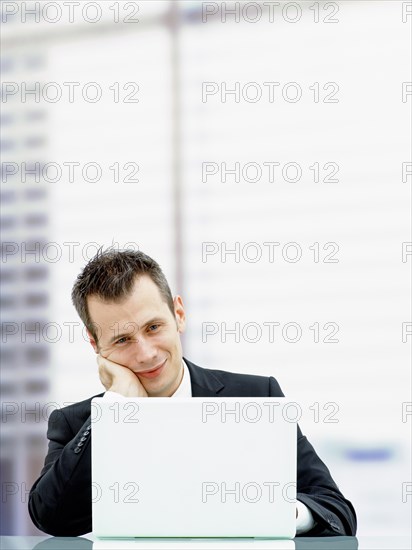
{"type": "Point", "coordinates": [152, 373]}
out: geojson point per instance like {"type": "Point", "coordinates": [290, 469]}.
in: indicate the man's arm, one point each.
{"type": "Point", "coordinates": [332, 512]}
{"type": "Point", "coordinates": [60, 500]}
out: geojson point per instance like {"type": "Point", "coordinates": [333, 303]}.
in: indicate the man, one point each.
{"type": "Point", "coordinates": [134, 326]}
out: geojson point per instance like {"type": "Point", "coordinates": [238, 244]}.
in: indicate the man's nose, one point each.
{"type": "Point", "coordinates": [145, 353]}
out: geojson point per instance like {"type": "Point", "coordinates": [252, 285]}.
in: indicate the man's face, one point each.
{"type": "Point", "coordinates": [141, 333]}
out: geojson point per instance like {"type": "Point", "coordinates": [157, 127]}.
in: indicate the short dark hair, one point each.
{"type": "Point", "coordinates": [110, 275]}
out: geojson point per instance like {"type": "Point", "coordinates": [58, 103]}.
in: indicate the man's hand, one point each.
{"type": "Point", "coordinates": [119, 379]}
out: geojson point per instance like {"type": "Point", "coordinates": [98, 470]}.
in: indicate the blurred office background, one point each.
{"type": "Point", "coordinates": [340, 313]}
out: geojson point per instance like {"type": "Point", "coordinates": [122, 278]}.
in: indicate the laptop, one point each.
{"type": "Point", "coordinates": [194, 467]}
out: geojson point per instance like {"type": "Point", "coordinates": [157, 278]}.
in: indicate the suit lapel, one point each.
{"type": "Point", "coordinates": [204, 382]}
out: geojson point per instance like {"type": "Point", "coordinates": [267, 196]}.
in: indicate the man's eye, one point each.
{"type": "Point", "coordinates": [122, 340]}
{"type": "Point", "coordinates": [152, 328]}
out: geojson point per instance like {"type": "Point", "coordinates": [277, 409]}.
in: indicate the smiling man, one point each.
{"type": "Point", "coordinates": [134, 325]}
{"type": "Point", "coordinates": [139, 349]}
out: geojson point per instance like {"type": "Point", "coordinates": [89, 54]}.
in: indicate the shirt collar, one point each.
{"type": "Point", "coordinates": [185, 388]}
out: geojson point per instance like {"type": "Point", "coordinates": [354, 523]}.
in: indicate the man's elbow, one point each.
{"type": "Point", "coordinates": [348, 520]}
{"type": "Point", "coordinates": [55, 522]}
{"type": "Point", "coordinates": [353, 522]}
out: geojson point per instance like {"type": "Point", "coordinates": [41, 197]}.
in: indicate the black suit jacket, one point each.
{"type": "Point", "coordinates": [60, 501]}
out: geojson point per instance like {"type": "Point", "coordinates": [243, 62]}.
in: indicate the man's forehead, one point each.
{"type": "Point", "coordinates": [143, 290]}
{"type": "Point", "coordinates": [143, 301]}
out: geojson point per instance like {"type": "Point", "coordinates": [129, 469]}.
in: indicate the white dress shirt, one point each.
{"type": "Point", "coordinates": [304, 521]}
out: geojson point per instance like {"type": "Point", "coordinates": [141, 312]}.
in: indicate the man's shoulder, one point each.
{"type": "Point", "coordinates": [241, 376]}
{"type": "Point", "coordinates": [237, 384]}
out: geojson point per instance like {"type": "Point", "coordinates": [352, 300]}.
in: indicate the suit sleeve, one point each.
{"type": "Point", "coordinates": [332, 512]}
{"type": "Point", "coordinates": [60, 499]}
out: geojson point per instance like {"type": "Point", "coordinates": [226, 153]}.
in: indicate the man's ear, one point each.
{"type": "Point", "coordinates": [92, 341]}
{"type": "Point", "coordinates": [180, 314]}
